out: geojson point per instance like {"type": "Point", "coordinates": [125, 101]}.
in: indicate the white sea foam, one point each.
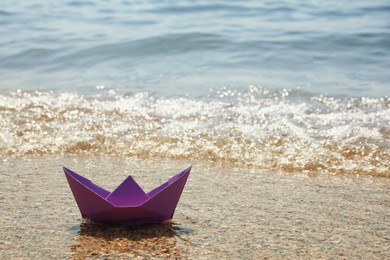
{"type": "Point", "coordinates": [283, 131]}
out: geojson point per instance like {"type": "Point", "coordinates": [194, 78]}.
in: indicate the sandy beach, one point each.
{"type": "Point", "coordinates": [224, 212]}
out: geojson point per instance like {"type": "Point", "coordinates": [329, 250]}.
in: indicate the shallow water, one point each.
{"type": "Point", "coordinates": [223, 212]}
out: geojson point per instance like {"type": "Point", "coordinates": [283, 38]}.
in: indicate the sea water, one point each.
{"type": "Point", "coordinates": [296, 86]}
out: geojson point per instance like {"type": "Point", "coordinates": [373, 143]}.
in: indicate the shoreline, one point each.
{"type": "Point", "coordinates": [223, 212]}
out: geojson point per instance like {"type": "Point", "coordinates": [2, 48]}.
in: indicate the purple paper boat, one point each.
{"type": "Point", "coordinates": [128, 203]}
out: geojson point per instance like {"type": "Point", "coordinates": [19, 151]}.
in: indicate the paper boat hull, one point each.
{"type": "Point", "coordinates": [128, 204]}
{"type": "Point", "coordinates": [128, 216]}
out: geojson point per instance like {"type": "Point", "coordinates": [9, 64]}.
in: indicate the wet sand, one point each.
{"type": "Point", "coordinates": [224, 212]}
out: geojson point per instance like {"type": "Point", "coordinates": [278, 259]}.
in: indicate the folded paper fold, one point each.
{"type": "Point", "coordinates": [128, 203]}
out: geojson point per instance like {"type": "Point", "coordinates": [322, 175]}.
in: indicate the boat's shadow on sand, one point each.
{"type": "Point", "coordinates": [103, 239]}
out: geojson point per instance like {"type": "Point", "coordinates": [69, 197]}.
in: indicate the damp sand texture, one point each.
{"type": "Point", "coordinates": [224, 212]}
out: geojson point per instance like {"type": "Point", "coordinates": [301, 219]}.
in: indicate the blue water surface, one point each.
{"type": "Point", "coordinates": [172, 48]}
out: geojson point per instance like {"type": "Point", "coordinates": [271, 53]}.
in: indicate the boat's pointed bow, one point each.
{"type": "Point", "coordinates": [165, 198]}
{"type": "Point", "coordinates": [89, 196]}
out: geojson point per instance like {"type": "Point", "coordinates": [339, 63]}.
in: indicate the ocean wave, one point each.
{"type": "Point", "coordinates": [127, 52]}
{"type": "Point", "coordinates": [283, 130]}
